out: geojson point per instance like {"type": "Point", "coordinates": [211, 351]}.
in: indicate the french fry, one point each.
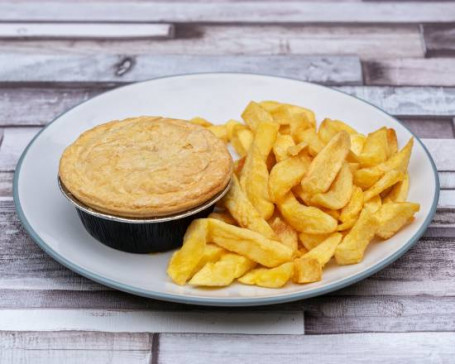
{"type": "Point", "coordinates": [244, 213]}
{"type": "Point", "coordinates": [254, 246]}
{"type": "Point", "coordinates": [351, 211]}
{"type": "Point", "coordinates": [254, 114]}
{"type": "Point", "coordinates": [325, 250]}
{"type": "Point", "coordinates": [352, 248]}
{"type": "Point", "coordinates": [296, 149]}
{"type": "Point", "coordinates": [329, 128]}
{"type": "Point", "coordinates": [310, 241]}
{"type": "Point", "coordinates": [366, 177]}
{"type": "Point", "coordinates": [373, 204]}
{"type": "Point", "coordinates": [269, 277]}
{"type": "Point", "coordinates": [392, 142]}
{"type": "Point", "coordinates": [326, 165]}
{"type": "Point", "coordinates": [375, 149]}
{"type": "Point", "coordinates": [200, 121]}
{"type": "Point", "coordinates": [310, 137]}
{"type": "Point", "coordinates": [223, 272]}
{"type": "Point", "coordinates": [269, 106]}
{"type": "Point", "coordinates": [184, 261]}
{"type": "Point", "coordinates": [220, 132]}
{"type": "Point", "coordinates": [255, 175]}
{"type": "Point", "coordinates": [238, 165]}
{"type": "Point", "coordinates": [387, 180]}
{"type": "Point", "coordinates": [295, 116]}
{"type": "Point", "coordinates": [307, 270]}
{"type": "Point", "coordinates": [339, 193]}
{"type": "Point", "coordinates": [357, 143]}
{"type": "Point", "coordinates": [223, 216]}
{"type": "Point", "coordinates": [287, 174]}
{"type": "Point", "coordinates": [305, 219]}
{"type": "Point", "coordinates": [285, 232]}
{"type": "Point", "coordinates": [231, 125]}
{"type": "Point", "coordinates": [393, 216]}
{"type": "Point", "coordinates": [399, 192]}
{"type": "Point", "coordinates": [281, 147]}
{"type": "Point", "coordinates": [212, 253]}
{"type": "Point", "coordinates": [241, 140]}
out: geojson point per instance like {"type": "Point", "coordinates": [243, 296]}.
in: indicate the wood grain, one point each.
{"type": "Point", "coordinates": [424, 106]}
{"type": "Point", "coordinates": [110, 69]}
{"type": "Point", "coordinates": [418, 348]}
{"type": "Point", "coordinates": [410, 72]}
{"type": "Point", "coordinates": [85, 31]}
{"type": "Point", "coordinates": [246, 322]}
{"type": "Point", "coordinates": [432, 128]}
{"type": "Point", "coordinates": [439, 39]}
{"type": "Point", "coordinates": [216, 39]}
{"type": "Point", "coordinates": [235, 12]}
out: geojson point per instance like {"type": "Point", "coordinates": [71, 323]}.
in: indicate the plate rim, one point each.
{"type": "Point", "coordinates": [226, 302]}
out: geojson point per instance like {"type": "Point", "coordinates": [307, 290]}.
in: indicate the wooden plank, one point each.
{"type": "Point", "coordinates": [205, 39]}
{"type": "Point", "coordinates": [439, 39]}
{"type": "Point", "coordinates": [14, 143]}
{"type": "Point", "coordinates": [75, 340]}
{"type": "Point", "coordinates": [74, 356]}
{"type": "Point", "coordinates": [447, 180]}
{"type": "Point", "coordinates": [16, 139]}
{"type": "Point", "coordinates": [324, 315]}
{"type": "Point", "coordinates": [38, 106]}
{"type": "Point", "coordinates": [110, 69]}
{"type": "Point", "coordinates": [447, 199]}
{"type": "Point", "coordinates": [442, 152]}
{"type": "Point", "coordinates": [246, 322]}
{"type": "Point", "coordinates": [410, 72]}
{"type": "Point", "coordinates": [417, 348]}
{"type": "Point", "coordinates": [244, 12]}
{"type": "Point", "coordinates": [6, 184]}
{"type": "Point", "coordinates": [439, 128]}
{"type": "Point", "coordinates": [85, 31]}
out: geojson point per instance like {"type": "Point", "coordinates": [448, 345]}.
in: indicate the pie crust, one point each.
{"type": "Point", "coordinates": [145, 167]}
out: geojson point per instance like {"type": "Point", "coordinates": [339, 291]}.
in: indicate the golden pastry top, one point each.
{"type": "Point", "coordinates": [145, 167]}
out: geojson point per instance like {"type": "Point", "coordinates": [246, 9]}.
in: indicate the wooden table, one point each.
{"type": "Point", "coordinates": [397, 55]}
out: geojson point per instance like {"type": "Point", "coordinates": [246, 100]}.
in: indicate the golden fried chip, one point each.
{"type": "Point", "coordinates": [297, 149]}
{"type": "Point", "coordinates": [310, 137]}
{"type": "Point", "coordinates": [329, 128]}
{"type": "Point", "coordinates": [305, 219]}
{"type": "Point", "coordinates": [393, 216]}
{"type": "Point", "coordinates": [310, 241]}
{"type": "Point", "coordinates": [238, 165]}
{"type": "Point", "coordinates": [223, 272]}
{"type": "Point", "coordinates": [373, 204]}
{"type": "Point", "coordinates": [287, 174]}
{"type": "Point", "coordinates": [223, 216]}
{"type": "Point", "coordinates": [255, 175]}
{"type": "Point", "coordinates": [285, 232]}
{"type": "Point", "coordinates": [255, 114]}
{"type": "Point", "coordinates": [269, 105]}
{"type": "Point", "coordinates": [392, 142]}
{"type": "Point", "coordinates": [237, 203]}
{"type": "Point", "coordinates": [339, 193]}
{"type": "Point", "coordinates": [269, 277]}
{"type": "Point", "coordinates": [375, 149]}
{"type": "Point", "coordinates": [352, 248]}
{"type": "Point", "coordinates": [282, 144]}
{"type": "Point", "coordinates": [241, 140]}
{"type": "Point", "coordinates": [351, 211]}
{"type": "Point", "coordinates": [232, 125]}
{"type": "Point", "coordinates": [326, 165]}
{"type": "Point", "coordinates": [220, 132]}
{"type": "Point", "coordinates": [366, 177]}
{"type": "Point", "coordinates": [269, 253]}
{"type": "Point", "coordinates": [184, 261]}
{"type": "Point", "coordinates": [212, 253]}
{"type": "Point", "coordinates": [325, 250]}
{"type": "Point", "coordinates": [387, 180]}
{"type": "Point", "coordinates": [399, 192]}
{"type": "Point", "coordinates": [307, 270]}
{"type": "Point", "coordinates": [200, 121]}
{"type": "Point", "coordinates": [357, 143]}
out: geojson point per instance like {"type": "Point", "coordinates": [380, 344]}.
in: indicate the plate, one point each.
{"type": "Point", "coordinates": [53, 223]}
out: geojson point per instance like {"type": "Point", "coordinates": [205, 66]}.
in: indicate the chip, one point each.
{"type": "Point", "coordinates": [310, 241]}
{"type": "Point", "coordinates": [254, 114]}
{"type": "Point", "coordinates": [387, 180]}
{"type": "Point", "coordinates": [393, 216]}
{"type": "Point", "coordinates": [269, 277]}
{"type": "Point", "coordinates": [375, 149]}
{"type": "Point", "coordinates": [329, 128]}
{"type": "Point", "coordinates": [307, 270]}
{"type": "Point", "coordinates": [399, 192]}
{"type": "Point", "coordinates": [285, 232]}
{"type": "Point", "coordinates": [281, 147]}
{"type": "Point", "coordinates": [326, 165]}
{"type": "Point", "coordinates": [200, 121]}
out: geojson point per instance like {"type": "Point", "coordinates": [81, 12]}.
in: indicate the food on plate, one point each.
{"type": "Point", "coordinates": [146, 167]}
{"type": "Point", "coordinates": [300, 196]}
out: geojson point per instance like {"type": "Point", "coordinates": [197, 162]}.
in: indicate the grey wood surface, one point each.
{"type": "Point", "coordinates": [398, 55]}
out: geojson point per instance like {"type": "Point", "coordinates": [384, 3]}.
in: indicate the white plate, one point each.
{"type": "Point", "coordinates": [54, 225]}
